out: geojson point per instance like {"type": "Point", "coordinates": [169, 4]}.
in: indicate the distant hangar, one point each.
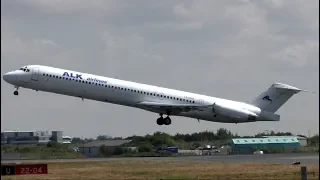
{"type": "Point", "coordinates": [250, 145]}
{"type": "Point", "coordinates": [302, 140]}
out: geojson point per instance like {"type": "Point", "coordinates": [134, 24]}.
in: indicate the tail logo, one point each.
{"type": "Point", "coordinates": [267, 98]}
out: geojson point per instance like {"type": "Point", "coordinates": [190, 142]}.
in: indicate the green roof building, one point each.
{"type": "Point", "coordinates": [249, 145]}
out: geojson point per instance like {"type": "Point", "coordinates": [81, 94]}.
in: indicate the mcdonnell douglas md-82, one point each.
{"type": "Point", "coordinates": [163, 101]}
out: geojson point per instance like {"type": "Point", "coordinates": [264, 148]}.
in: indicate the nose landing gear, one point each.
{"type": "Point", "coordinates": [16, 93]}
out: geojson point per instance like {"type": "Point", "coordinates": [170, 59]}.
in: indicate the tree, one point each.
{"type": "Point", "coordinates": [314, 140]}
{"type": "Point", "coordinates": [103, 137]}
{"type": "Point", "coordinates": [77, 140]}
{"type": "Point", "coordinates": [145, 148]}
{"type": "Point", "coordinates": [223, 134]}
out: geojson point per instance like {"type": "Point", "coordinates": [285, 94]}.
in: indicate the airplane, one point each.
{"type": "Point", "coordinates": [163, 101]}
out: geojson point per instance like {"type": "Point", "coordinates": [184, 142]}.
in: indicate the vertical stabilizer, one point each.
{"type": "Point", "coordinates": [273, 98]}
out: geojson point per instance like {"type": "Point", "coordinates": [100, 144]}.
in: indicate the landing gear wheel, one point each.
{"type": "Point", "coordinates": [16, 93]}
{"type": "Point", "coordinates": [167, 121]}
{"type": "Point", "coordinates": [160, 121]}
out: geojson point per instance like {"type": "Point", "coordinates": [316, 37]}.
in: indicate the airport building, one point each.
{"type": "Point", "coordinates": [250, 145]}
{"type": "Point", "coordinates": [66, 139]}
{"type": "Point", "coordinates": [31, 137]}
{"type": "Point", "coordinates": [101, 147]}
{"type": "Point", "coordinates": [302, 140]}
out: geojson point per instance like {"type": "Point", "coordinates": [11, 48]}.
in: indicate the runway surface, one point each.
{"type": "Point", "coordinates": [262, 158]}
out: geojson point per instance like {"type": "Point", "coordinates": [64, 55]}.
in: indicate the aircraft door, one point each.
{"type": "Point", "coordinates": [35, 74]}
{"type": "Point", "coordinates": [201, 101]}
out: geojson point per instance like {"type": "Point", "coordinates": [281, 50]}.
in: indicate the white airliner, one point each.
{"type": "Point", "coordinates": [156, 99]}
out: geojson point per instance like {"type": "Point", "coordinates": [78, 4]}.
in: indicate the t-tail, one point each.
{"type": "Point", "coordinates": [273, 98]}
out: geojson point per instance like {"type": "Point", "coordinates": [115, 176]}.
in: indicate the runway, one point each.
{"type": "Point", "coordinates": [263, 158]}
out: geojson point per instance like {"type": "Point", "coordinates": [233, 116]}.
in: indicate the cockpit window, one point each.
{"type": "Point", "coordinates": [24, 69]}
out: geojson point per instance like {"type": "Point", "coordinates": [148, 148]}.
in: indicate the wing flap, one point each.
{"type": "Point", "coordinates": [176, 108]}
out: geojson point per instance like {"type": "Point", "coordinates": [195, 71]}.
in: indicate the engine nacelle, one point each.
{"type": "Point", "coordinates": [234, 112]}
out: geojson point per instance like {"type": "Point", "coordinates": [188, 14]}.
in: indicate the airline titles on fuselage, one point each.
{"type": "Point", "coordinates": [79, 76]}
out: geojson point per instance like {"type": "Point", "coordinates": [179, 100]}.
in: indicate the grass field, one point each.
{"type": "Point", "coordinates": [169, 170]}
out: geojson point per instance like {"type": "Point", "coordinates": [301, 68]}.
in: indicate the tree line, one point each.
{"type": "Point", "coordinates": [221, 134]}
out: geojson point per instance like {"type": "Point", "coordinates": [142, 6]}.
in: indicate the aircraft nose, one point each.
{"type": "Point", "coordinates": [8, 77]}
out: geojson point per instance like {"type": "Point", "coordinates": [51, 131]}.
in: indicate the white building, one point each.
{"type": "Point", "coordinates": [66, 139]}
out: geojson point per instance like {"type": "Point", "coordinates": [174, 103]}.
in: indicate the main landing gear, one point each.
{"type": "Point", "coordinates": [16, 93]}
{"type": "Point", "coordinates": [163, 121]}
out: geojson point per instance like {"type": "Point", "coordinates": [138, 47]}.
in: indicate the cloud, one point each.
{"type": "Point", "coordinates": [299, 54]}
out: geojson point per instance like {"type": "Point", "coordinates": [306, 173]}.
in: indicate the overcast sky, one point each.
{"type": "Point", "coordinates": [232, 49]}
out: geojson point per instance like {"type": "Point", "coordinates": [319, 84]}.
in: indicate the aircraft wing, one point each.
{"type": "Point", "coordinates": [173, 108]}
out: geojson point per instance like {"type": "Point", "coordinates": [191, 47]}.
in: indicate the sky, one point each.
{"type": "Point", "coordinates": [233, 49]}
